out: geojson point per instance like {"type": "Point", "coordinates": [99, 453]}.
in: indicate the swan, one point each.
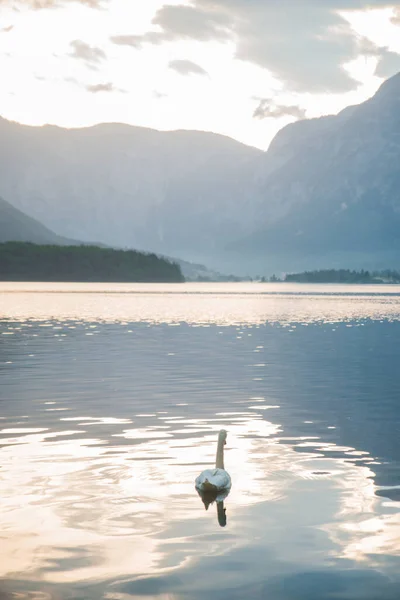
{"type": "Point", "coordinates": [215, 480]}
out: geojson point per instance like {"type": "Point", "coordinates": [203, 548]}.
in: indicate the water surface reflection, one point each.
{"type": "Point", "coordinates": [106, 423]}
{"type": "Point", "coordinates": [199, 303]}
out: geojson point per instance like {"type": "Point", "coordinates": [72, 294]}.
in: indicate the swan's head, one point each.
{"type": "Point", "coordinates": [222, 436]}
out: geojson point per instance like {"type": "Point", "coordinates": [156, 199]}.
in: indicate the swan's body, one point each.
{"type": "Point", "coordinates": [215, 480]}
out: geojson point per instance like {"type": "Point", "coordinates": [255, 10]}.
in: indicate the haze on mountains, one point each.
{"type": "Point", "coordinates": [173, 193]}
{"type": "Point", "coordinates": [325, 194]}
{"type": "Point", "coordinates": [16, 226]}
{"type": "Point", "coordinates": [328, 189]}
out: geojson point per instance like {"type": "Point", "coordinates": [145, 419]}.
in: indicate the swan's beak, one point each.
{"type": "Point", "coordinates": [225, 443]}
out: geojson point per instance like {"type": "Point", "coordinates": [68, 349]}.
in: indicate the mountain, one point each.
{"type": "Point", "coordinates": [325, 194]}
{"type": "Point", "coordinates": [17, 226]}
{"type": "Point", "coordinates": [328, 190]}
{"type": "Point", "coordinates": [174, 193]}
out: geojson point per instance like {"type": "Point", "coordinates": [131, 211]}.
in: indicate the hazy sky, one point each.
{"type": "Point", "coordinates": [243, 68]}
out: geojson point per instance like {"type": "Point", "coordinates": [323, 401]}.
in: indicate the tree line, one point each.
{"type": "Point", "coordinates": [24, 261]}
{"type": "Point", "coordinates": [344, 276]}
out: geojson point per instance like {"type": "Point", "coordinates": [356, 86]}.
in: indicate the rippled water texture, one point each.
{"type": "Point", "coordinates": [111, 399]}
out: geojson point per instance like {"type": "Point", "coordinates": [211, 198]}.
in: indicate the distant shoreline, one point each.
{"type": "Point", "coordinates": [345, 276]}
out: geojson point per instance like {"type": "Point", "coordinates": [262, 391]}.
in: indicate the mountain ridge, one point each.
{"type": "Point", "coordinates": [337, 193]}
{"type": "Point", "coordinates": [171, 193]}
{"type": "Point", "coordinates": [325, 194]}
{"type": "Point", "coordinates": [16, 226]}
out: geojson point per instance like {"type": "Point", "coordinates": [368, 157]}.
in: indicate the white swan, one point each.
{"type": "Point", "coordinates": [215, 480]}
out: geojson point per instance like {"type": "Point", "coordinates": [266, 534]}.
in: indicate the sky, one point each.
{"type": "Point", "coordinates": [242, 68]}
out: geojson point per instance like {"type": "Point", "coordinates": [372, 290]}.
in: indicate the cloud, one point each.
{"type": "Point", "coordinates": [186, 67]}
{"type": "Point", "coordinates": [7, 29]}
{"type": "Point", "coordinates": [90, 54]}
{"type": "Point", "coordinates": [43, 4]}
{"type": "Point", "coordinates": [102, 87]}
{"type": "Point", "coordinates": [127, 40]}
{"type": "Point", "coordinates": [185, 22]}
{"type": "Point", "coordinates": [304, 48]}
{"type": "Point", "coordinates": [181, 23]}
{"type": "Point", "coordinates": [304, 44]}
{"type": "Point", "coordinates": [396, 17]}
{"type": "Point", "coordinates": [159, 95]}
{"type": "Point", "coordinates": [94, 88]}
{"type": "Point", "coordinates": [388, 62]}
{"type": "Point", "coordinates": [267, 109]}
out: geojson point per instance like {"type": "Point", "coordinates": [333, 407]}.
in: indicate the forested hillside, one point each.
{"type": "Point", "coordinates": [21, 261]}
{"type": "Point", "coordinates": [344, 276]}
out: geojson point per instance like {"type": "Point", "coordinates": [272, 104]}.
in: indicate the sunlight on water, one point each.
{"type": "Point", "coordinates": [103, 435]}
{"type": "Point", "coordinates": [198, 303]}
{"type": "Point", "coordinates": [88, 509]}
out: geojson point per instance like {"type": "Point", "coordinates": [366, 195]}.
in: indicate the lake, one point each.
{"type": "Point", "coordinates": [111, 399]}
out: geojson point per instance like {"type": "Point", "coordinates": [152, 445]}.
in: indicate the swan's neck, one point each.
{"type": "Point", "coordinates": [219, 463]}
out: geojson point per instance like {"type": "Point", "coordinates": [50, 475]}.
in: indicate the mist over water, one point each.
{"type": "Point", "coordinates": [111, 400]}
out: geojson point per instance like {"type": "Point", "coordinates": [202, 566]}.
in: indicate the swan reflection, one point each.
{"type": "Point", "coordinates": [210, 497]}
{"type": "Point", "coordinates": [214, 485]}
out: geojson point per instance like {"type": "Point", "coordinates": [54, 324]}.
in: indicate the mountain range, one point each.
{"type": "Point", "coordinates": [329, 189]}
{"type": "Point", "coordinates": [16, 226]}
{"type": "Point", "coordinates": [169, 192]}
{"type": "Point", "coordinates": [325, 194]}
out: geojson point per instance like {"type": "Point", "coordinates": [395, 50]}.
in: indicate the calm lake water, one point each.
{"type": "Point", "coordinates": [111, 398]}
